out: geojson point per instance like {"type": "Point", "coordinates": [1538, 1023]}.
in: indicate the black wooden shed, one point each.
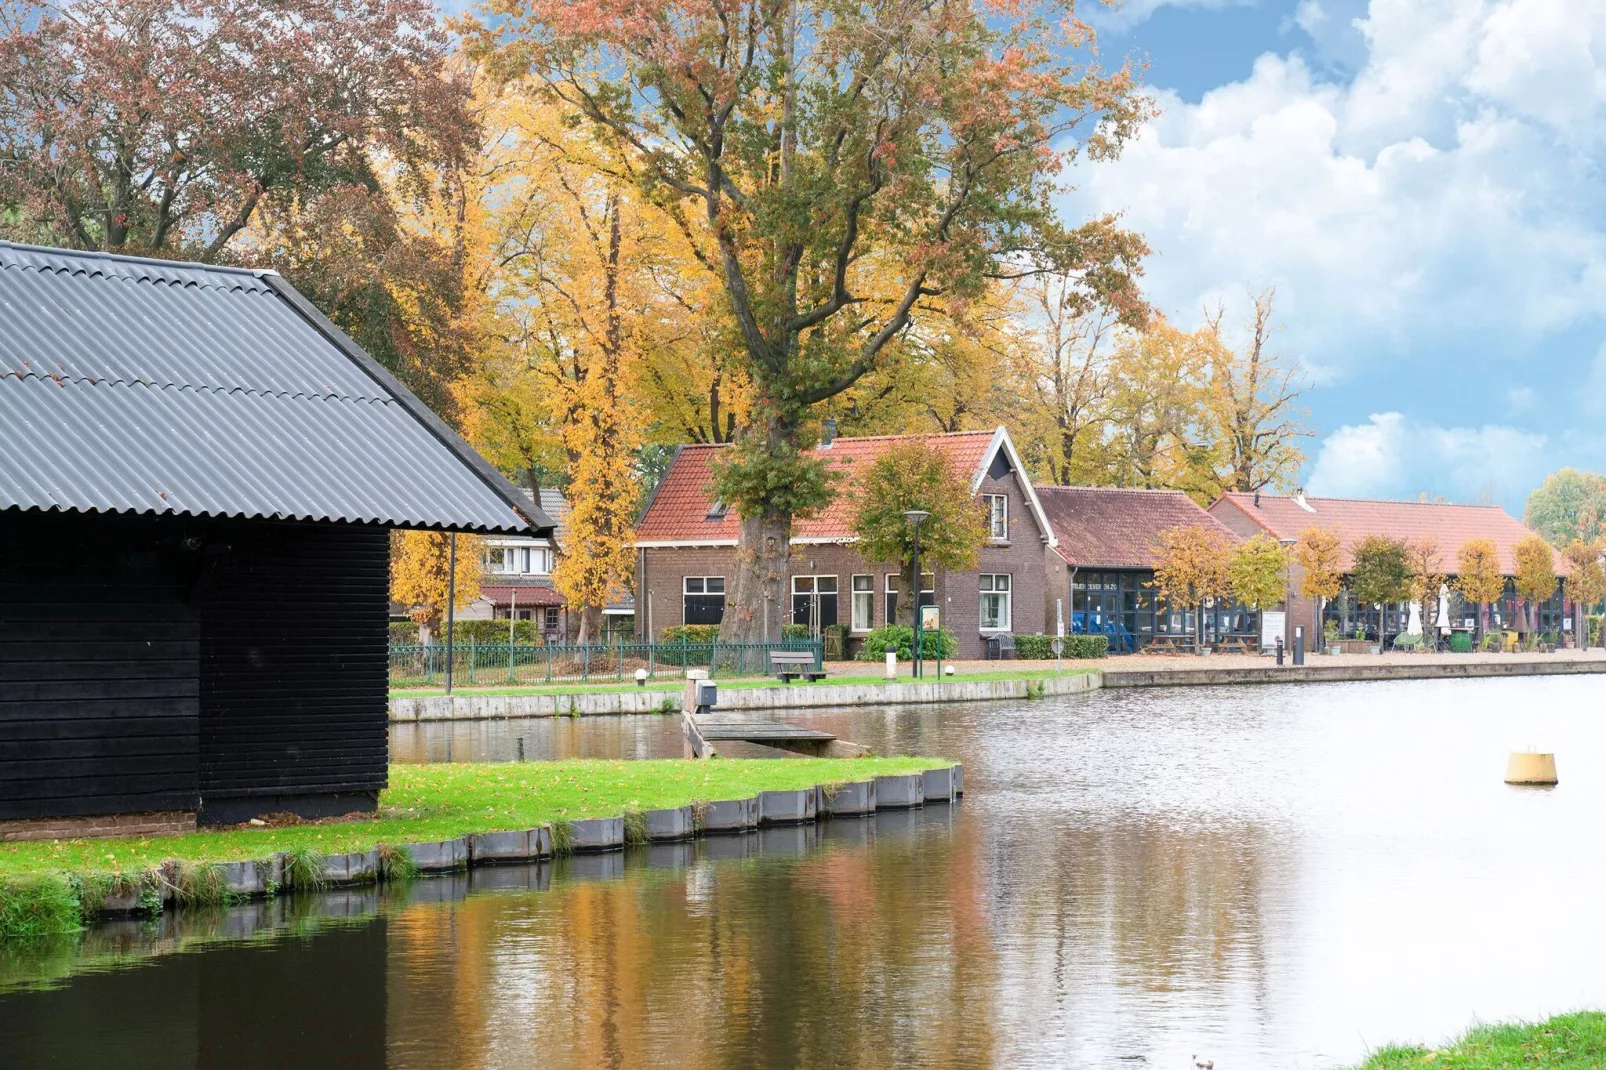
{"type": "Point", "coordinates": [198, 478]}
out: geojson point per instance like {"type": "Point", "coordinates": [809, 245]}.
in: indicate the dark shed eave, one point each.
{"type": "Point", "coordinates": [180, 514]}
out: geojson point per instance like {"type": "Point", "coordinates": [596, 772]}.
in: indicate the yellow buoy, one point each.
{"type": "Point", "coordinates": [1527, 767]}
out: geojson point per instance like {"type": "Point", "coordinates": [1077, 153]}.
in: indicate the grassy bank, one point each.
{"type": "Point", "coordinates": [674, 683]}
{"type": "Point", "coordinates": [46, 885]}
{"type": "Point", "coordinates": [1565, 1042]}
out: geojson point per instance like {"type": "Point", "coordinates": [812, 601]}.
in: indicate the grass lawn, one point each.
{"type": "Point", "coordinates": [443, 801]}
{"type": "Point", "coordinates": [1564, 1042]}
{"type": "Point", "coordinates": [674, 683]}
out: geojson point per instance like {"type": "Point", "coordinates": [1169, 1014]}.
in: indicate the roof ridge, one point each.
{"type": "Point", "coordinates": [1122, 490]}
{"type": "Point", "coordinates": [249, 391]}
{"type": "Point", "coordinates": [1370, 501]}
{"type": "Point", "coordinates": [129, 258]}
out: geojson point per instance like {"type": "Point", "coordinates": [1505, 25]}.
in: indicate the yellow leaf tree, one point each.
{"type": "Point", "coordinates": [1318, 552]}
{"type": "Point", "coordinates": [1258, 573]}
{"type": "Point", "coordinates": [1479, 578]}
{"type": "Point", "coordinates": [1193, 566]}
{"type": "Point", "coordinates": [419, 571]}
{"type": "Point", "coordinates": [1535, 577]}
{"type": "Point", "coordinates": [1586, 583]}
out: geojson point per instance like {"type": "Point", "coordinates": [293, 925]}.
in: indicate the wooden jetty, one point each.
{"type": "Point", "coordinates": [704, 730]}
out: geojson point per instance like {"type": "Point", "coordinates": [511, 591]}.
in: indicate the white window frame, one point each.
{"type": "Point", "coordinates": [997, 517]}
{"type": "Point", "coordinates": [867, 596]}
{"type": "Point", "coordinates": [987, 586]}
{"type": "Point", "coordinates": [685, 585]}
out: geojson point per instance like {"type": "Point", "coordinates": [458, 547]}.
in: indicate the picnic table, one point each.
{"type": "Point", "coordinates": [1169, 644]}
{"type": "Point", "coordinates": [1240, 644]}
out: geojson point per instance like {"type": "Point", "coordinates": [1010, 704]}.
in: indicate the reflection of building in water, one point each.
{"type": "Point", "coordinates": [1139, 919]}
{"type": "Point", "coordinates": [865, 944]}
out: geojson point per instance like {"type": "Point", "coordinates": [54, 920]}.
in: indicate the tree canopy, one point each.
{"type": "Point", "coordinates": [910, 476]}
{"type": "Point", "coordinates": [1381, 572]}
{"type": "Point", "coordinates": [1569, 504]}
{"type": "Point", "coordinates": [1258, 573]}
{"type": "Point", "coordinates": [1478, 574]}
{"type": "Point", "coordinates": [1317, 551]}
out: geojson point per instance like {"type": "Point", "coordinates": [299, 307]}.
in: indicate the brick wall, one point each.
{"type": "Point", "coordinates": [165, 823]}
{"type": "Point", "coordinates": [1301, 610]}
{"type": "Point", "coordinates": [1021, 557]}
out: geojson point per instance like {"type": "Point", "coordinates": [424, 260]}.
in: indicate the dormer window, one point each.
{"type": "Point", "coordinates": [717, 511]}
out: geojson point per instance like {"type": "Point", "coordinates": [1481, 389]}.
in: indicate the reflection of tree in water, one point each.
{"type": "Point", "coordinates": [1137, 921]}
{"type": "Point", "coordinates": [867, 954]}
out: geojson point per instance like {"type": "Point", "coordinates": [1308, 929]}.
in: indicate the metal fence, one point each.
{"type": "Point", "coordinates": [486, 664]}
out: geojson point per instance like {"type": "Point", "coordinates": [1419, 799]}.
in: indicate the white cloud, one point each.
{"type": "Point", "coordinates": [1390, 456]}
{"type": "Point", "coordinates": [1450, 192]}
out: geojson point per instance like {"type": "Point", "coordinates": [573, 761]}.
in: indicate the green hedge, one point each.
{"type": "Point", "coordinates": [902, 639]}
{"type": "Point", "coordinates": [525, 632]}
{"type": "Point", "coordinates": [795, 631]}
{"type": "Point", "coordinates": [1033, 647]}
{"type": "Point", "coordinates": [691, 633]}
{"type": "Point", "coordinates": [1087, 646]}
{"type": "Point", "coordinates": [1040, 647]}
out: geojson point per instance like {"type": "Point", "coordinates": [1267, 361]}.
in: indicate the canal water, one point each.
{"type": "Point", "coordinates": [1255, 877]}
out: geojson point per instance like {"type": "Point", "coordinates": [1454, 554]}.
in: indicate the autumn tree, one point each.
{"type": "Point", "coordinates": [912, 475]}
{"type": "Point", "coordinates": [420, 570]}
{"type": "Point", "coordinates": [1426, 564]}
{"type": "Point", "coordinates": [1253, 405]}
{"type": "Point", "coordinates": [1380, 574]}
{"type": "Point", "coordinates": [1193, 565]}
{"type": "Point", "coordinates": [1154, 399]}
{"type": "Point", "coordinates": [1319, 554]}
{"type": "Point", "coordinates": [1479, 577]}
{"type": "Point", "coordinates": [1535, 575]}
{"type": "Point", "coordinates": [852, 166]}
{"type": "Point", "coordinates": [1568, 505]}
{"type": "Point", "coordinates": [1586, 582]}
{"type": "Point", "coordinates": [1258, 574]}
{"type": "Point", "coordinates": [285, 134]}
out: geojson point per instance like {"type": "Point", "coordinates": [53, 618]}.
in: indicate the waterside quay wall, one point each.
{"type": "Point", "coordinates": [468, 706]}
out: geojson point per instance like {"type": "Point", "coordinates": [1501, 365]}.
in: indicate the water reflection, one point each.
{"type": "Point", "coordinates": [1262, 876]}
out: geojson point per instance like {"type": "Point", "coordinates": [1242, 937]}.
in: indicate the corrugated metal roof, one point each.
{"type": "Point", "coordinates": [131, 385]}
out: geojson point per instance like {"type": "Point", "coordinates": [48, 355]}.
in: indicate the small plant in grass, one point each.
{"type": "Point", "coordinates": [38, 906]}
{"type": "Point", "coordinates": [303, 869]}
{"type": "Point", "coordinates": [198, 883]}
{"type": "Point", "coordinates": [635, 826]}
{"type": "Point", "coordinates": [699, 815]}
{"type": "Point", "coordinates": [1035, 689]}
{"type": "Point", "coordinates": [562, 838]}
{"type": "Point", "coordinates": [396, 863]}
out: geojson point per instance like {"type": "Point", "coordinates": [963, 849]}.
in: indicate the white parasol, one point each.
{"type": "Point", "coordinates": [1444, 609]}
{"type": "Point", "coordinates": [1414, 627]}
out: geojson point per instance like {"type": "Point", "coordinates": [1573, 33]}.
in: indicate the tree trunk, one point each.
{"type": "Point", "coordinates": [909, 596]}
{"type": "Point", "coordinates": [590, 625]}
{"type": "Point", "coordinates": [756, 609]}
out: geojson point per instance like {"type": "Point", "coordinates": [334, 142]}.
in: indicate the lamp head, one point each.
{"type": "Point", "coordinates": [915, 516]}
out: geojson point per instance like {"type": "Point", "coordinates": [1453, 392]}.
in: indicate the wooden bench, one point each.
{"type": "Point", "coordinates": [1240, 644]}
{"type": "Point", "coordinates": [791, 663]}
{"type": "Point", "coordinates": [1168, 644]}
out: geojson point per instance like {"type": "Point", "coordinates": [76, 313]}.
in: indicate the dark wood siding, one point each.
{"type": "Point", "coordinates": [294, 665]}
{"type": "Point", "coordinates": [99, 690]}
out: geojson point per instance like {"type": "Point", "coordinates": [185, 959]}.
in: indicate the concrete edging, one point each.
{"type": "Point", "coordinates": [587, 839]}
{"type": "Point", "coordinates": [1310, 674]}
{"type": "Point", "coordinates": [472, 707]}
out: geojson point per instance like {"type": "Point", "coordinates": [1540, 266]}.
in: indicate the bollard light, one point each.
{"type": "Point", "coordinates": [947, 670]}
{"type": "Point", "coordinates": [641, 677]}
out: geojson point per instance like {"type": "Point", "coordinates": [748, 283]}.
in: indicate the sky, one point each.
{"type": "Point", "coordinates": [1421, 181]}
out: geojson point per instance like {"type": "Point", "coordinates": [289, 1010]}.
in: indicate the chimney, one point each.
{"type": "Point", "coordinates": [827, 432]}
{"type": "Point", "coordinates": [1299, 499]}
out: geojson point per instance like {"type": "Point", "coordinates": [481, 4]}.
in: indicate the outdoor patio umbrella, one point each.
{"type": "Point", "coordinates": [1444, 609]}
{"type": "Point", "coordinates": [1414, 627]}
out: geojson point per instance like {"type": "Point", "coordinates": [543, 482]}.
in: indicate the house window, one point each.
{"type": "Point", "coordinates": [928, 593]}
{"type": "Point", "coordinates": [495, 557]}
{"type": "Point", "coordinates": [997, 516]}
{"type": "Point", "coordinates": [550, 623]}
{"type": "Point", "coordinates": [994, 602]}
{"type": "Point", "coordinates": [863, 602]}
{"type": "Point", "coordinates": [717, 511]}
{"type": "Point", "coordinates": [814, 602]}
{"type": "Point", "coordinates": [705, 599]}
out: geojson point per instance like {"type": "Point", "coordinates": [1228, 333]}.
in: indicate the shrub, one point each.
{"type": "Point", "coordinates": [1087, 646]}
{"type": "Point", "coordinates": [486, 632]}
{"type": "Point", "coordinates": [900, 638]}
{"type": "Point", "coordinates": [795, 631]}
{"type": "Point", "coordinates": [403, 631]}
{"type": "Point", "coordinates": [691, 633]}
{"type": "Point", "coordinates": [1594, 629]}
{"type": "Point", "coordinates": [1033, 647]}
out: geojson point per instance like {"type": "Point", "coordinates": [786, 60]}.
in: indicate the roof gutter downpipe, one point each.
{"type": "Point", "coordinates": [451, 606]}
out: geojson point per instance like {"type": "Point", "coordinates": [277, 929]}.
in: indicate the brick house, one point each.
{"type": "Point", "coordinates": [1352, 519]}
{"type": "Point", "coordinates": [1103, 564]}
{"type": "Point", "coordinates": [686, 543]}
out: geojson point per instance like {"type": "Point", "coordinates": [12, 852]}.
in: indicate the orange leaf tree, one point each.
{"type": "Point", "coordinates": [1536, 575]}
{"type": "Point", "coordinates": [1318, 553]}
{"type": "Point", "coordinates": [1586, 581]}
{"type": "Point", "coordinates": [1193, 566]}
{"type": "Point", "coordinates": [1427, 578]}
{"type": "Point", "coordinates": [1478, 574]}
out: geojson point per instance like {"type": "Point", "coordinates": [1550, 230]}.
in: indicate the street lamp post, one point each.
{"type": "Point", "coordinates": [915, 517]}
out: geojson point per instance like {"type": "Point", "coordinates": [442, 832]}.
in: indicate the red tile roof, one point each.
{"type": "Point", "coordinates": [680, 506]}
{"type": "Point", "coordinates": [528, 597]}
{"type": "Point", "coordinates": [1115, 527]}
{"type": "Point", "coordinates": [1355, 518]}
